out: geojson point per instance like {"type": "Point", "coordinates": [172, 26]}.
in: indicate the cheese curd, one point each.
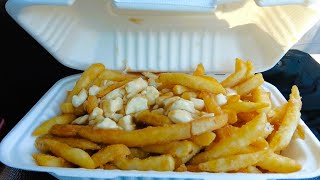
{"type": "Point", "coordinates": [151, 93]}
{"type": "Point", "coordinates": [107, 123]}
{"type": "Point", "coordinates": [134, 87]}
{"type": "Point", "coordinates": [180, 116]}
{"type": "Point", "coordinates": [96, 112]}
{"type": "Point", "coordinates": [198, 103]}
{"type": "Point", "coordinates": [81, 120]}
{"type": "Point", "coordinates": [114, 116]}
{"type": "Point", "coordinates": [112, 105]}
{"type": "Point", "coordinates": [127, 123]}
{"type": "Point", "coordinates": [136, 104]}
{"type": "Point", "coordinates": [93, 90]}
{"type": "Point", "coordinates": [183, 105]}
{"type": "Point", "coordinates": [119, 92]}
{"type": "Point", "coordinates": [79, 99]}
{"type": "Point", "coordinates": [221, 99]}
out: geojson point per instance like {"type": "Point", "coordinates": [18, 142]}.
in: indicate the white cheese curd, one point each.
{"type": "Point", "coordinates": [107, 83]}
{"type": "Point", "coordinates": [127, 123]}
{"type": "Point", "coordinates": [134, 87]}
{"type": "Point", "coordinates": [183, 105]}
{"type": "Point", "coordinates": [114, 116]}
{"type": "Point", "coordinates": [119, 92]}
{"type": "Point", "coordinates": [152, 82]}
{"type": "Point", "coordinates": [79, 99]}
{"type": "Point", "coordinates": [221, 99]}
{"type": "Point", "coordinates": [112, 105]}
{"type": "Point", "coordinates": [96, 120]}
{"type": "Point", "coordinates": [81, 120]}
{"type": "Point", "coordinates": [180, 116]}
{"type": "Point", "coordinates": [136, 104]}
{"type": "Point", "coordinates": [96, 112]}
{"type": "Point", "coordinates": [151, 93]}
{"type": "Point", "coordinates": [198, 103]}
{"type": "Point", "coordinates": [93, 90]}
{"type": "Point", "coordinates": [160, 99]}
{"type": "Point", "coordinates": [208, 115]}
{"type": "Point", "coordinates": [107, 123]}
{"type": "Point", "coordinates": [170, 100]}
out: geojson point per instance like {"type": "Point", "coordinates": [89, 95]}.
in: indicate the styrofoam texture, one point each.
{"type": "Point", "coordinates": [17, 146]}
{"type": "Point", "coordinates": [81, 32]}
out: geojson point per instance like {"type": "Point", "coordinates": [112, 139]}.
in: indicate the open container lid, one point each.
{"type": "Point", "coordinates": [81, 32]}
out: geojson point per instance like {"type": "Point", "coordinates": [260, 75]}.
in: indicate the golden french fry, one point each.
{"type": "Point", "coordinates": [109, 153]}
{"type": "Point", "coordinates": [276, 163]}
{"type": "Point", "coordinates": [138, 153]}
{"type": "Point", "coordinates": [65, 130]}
{"type": "Point", "coordinates": [232, 163]}
{"type": "Point", "coordinates": [137, 138]}
{"type": "Point", "coordinates": [181, 168]}
{"type": "Point", "coordinates": [249, 85]}
{"type": "Point", "coordinates": [232, 116]}
{"type": "Point", "coordinates": [289, 123]}
{"type": "Point", "coordinates": [179, 89]}
{"type": "Point", "coordinates": [258, 145]}
{"type": "Point", "coordinates": [50, 161]}
{"type": "Point", "coordinates": [236, 77]}
{"type": "Point", "coordinates": [112, 87]}
{"type": "Point", "coordinates": [153, 119]}
{"type": "Point", "coordinates": [155, 163]}
{"type": "Point", "coordinates": [83, 144]}
{"type": "Point", "coordinates": [74, 155]}
{"type": "Point", "coordinates": [86, 79]}
{"type": "Point", "coordinates": [250, 69]}
{"type": "Point", "coordinates": [210, 103]}
{"type": "Point", "coordinates": [92, 103]}
{"type": "Point", "coordinates": [244, 106]}
{"type": "Point", "coordinates": [175, 148]}
{"type": "Point", "coordinates": [259, 95]}
{"type": "Point", "coordinates": [204, 139]}
{"type": "Point", "coordinates": [232, 144]}
{"type": "Point", "coordinates": [193, 168]}
{"type": "Point", "coordinates": [114, 76]}
{"type": "Point", "coordinates": [189, 95]}
{"type": "Point", "coordinates": [193, 82]}
{"type": "Point", "coordinates": [276, 114]}
{"type": "Point", "coordinates": [250, 169]}
{"type": "Point", "coordinates": [299, 132]}
{"type": "Point", "coordinates": [67, 108]}
{"type": "Point", "coordinates": [233, 99]}
{"type": "Point", "coordinates": [109, 166]}
{"type": "Point", "coordinates": [80, 111]}
{"type": "Point", "coordinates": [207, 124]}
{"type": "Point", "coordinates": [199, 70]}
{"type": "Point", "coordinates": [246, 116]}
{"type": "Point", "coordinates": [210, 78]}
{"type": "Point", "coordinates": [46, 125]}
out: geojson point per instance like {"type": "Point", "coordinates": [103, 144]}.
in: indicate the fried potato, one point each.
{"type": "Point", "coordinates": [233, 99]}
{"type": "Point", "coordinates": [137, 138]}
{"type": "Point", "coordinates": [249, 85]}
{"type": "Point", "coordinates": [210, 103]}
{"type": "Point", "coordinates": [50, 161]}
{"type": "Point", "coordinates": [112, 87]}
{"type": "Point", "coordinates": [86, 79]}
{"type": "Point", "coordinates": [74, 155]}
{"type": "Point", "coordinates": [46, 125]}
{"type": "Point", "coordinates": [278, 164]}
{"type": "Point", "coordinates": [244, 117]}
{"type": "Point", "coordinates": [250, 169]}
{"type": "Point", "coordinates": [178, 89]}
{"type": "Point", "coordinates": [236, 77]}
{"type": "Point", "coordinates": [181, 168]}
{"type": "Point", "coordinates": [206, 124]}
{"type": "Point", "coordinates": [289, 123]}
{"type": "Point", "coordinates": [199, 70]}
{"type": "Point", "coordinates": [259, 95]}
{"type": "Point", "coordinates": [67, 108]}
{"type": "Point", "coordinates": [110, 153]}
{"type": "Point", "coordinates": [153, 119]}
{"type": "Point", "coordinates": [244, 106]}
{"type": "Point", "coordinates": [92, 103]}
{"type": "Point", "coordinates": [299, 132]}
{"type": "Point", "coordinates": [232, 163]}
{"type": "Point", "coordinates": [138, 153]}
{"type": "Point", "coordinates": [65, 130]}
{"type": "Point", "coordinates": [190, 81]}
{"type": "Point", "coordinates": [189, 95]}
{"type": "Point", "coordinates": [232, 116]}
{"type": "Point", "coordinates": [156, 163]}
{"type": "Point", "coordinates": [276, 114]}
{"type": "Point", "coordinates": [204, 139]}
{"type": "Point", "coordinates": [114, 76]}
{"type": "Point", "coordinates": [175, 148]}
{"type": "Point", "coordinates": [241, 138]}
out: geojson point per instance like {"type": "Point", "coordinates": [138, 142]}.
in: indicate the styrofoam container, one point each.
{"type": "Point", "coordinates": [81, 32]}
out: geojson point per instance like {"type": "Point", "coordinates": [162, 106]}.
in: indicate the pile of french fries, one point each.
{"type": "Point", "coordinates": [171, 122]}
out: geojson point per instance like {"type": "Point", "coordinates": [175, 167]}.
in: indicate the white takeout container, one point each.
{"type": "Point", "coordinates": [81, 32]}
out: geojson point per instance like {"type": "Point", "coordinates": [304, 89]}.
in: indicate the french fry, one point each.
{"type": "Point", "coordinates": [156, 163]}
{"type": "Point", "coordinates": [207, 124]}
{"type": "Point", "coordinates": [210, 103]}
{"type": "Point", "coordinates": [153, 119]}
{"type": "Point", "coordinates": [244, 106]}
{"type": "Point", "coordinates": [190, 81]}
{"type": "Point", "coordinates": [51, 161]}
{"type": "Point", "coordinates": [247, 116]}
{"type": "Point", "coordinates": [278, 164]}
{"type": "Point", "coordinates": [175, 148]}
{"type": "Point", "coordinates": [199, 70]}
{"type": "Point", "coordinates": [181, 168]}
{"type": "Point", "coordinates": [250, 84]}
{"type": "Point", "coordinates": [232, 163]}
{"type": "Point", "coordinates": [250, 69]}
{"type": "Point", "coordinates": [110, 166]}
{"type": "Point", "coordinates": [250, 169]}
{"type": "Point", "coordinates": [277, 113]}
{"type": "Point", "coordinates": [244, 136]}
{"type": "Point", "coordinates": [179, 89]}
{"type": "Point", "coordinates": [80, 111]}
{"type": "Point", "coordinates": [110, 88]}
{"type": "Point", "coordinates": [67, 108]}
{"type": "Point", "coordinates": [236, 77]}
{"type": "Point", "coordinates": [110, 153]}
{"type": "Point", "coordinates": [204, 139]}
{"type": "Point", "coordinates": [137, 138]}
{"type": "Point", "coordinates": [114, 76]}
{"type": "Point", "coordinates": [232, 116]}
{"type": "Point", "coordinates": [259, 95]}
{"type": "Point", "coordinates": [138, 153]}
{"type": "Point", "coordinates": [46, 125]}
{"type": "Point", "coordinates": [74, 155]}
{"type": "Point", "coordinates": [233, 99]}
{"type": "Point", "coordinates": [189, 95]}
{"type": "Point", "coordinates": [299, 132]}
{"type": "Point", "coordinates": [86, 79]}
{"type": "Point", "coordinates": [92, 103]}
{"type": "Point", "coordinates": [65, 130]}
{"type": "Point", "coordinates": [193, 168]}
{"type": "Point", "coordinates": [289, 123]}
